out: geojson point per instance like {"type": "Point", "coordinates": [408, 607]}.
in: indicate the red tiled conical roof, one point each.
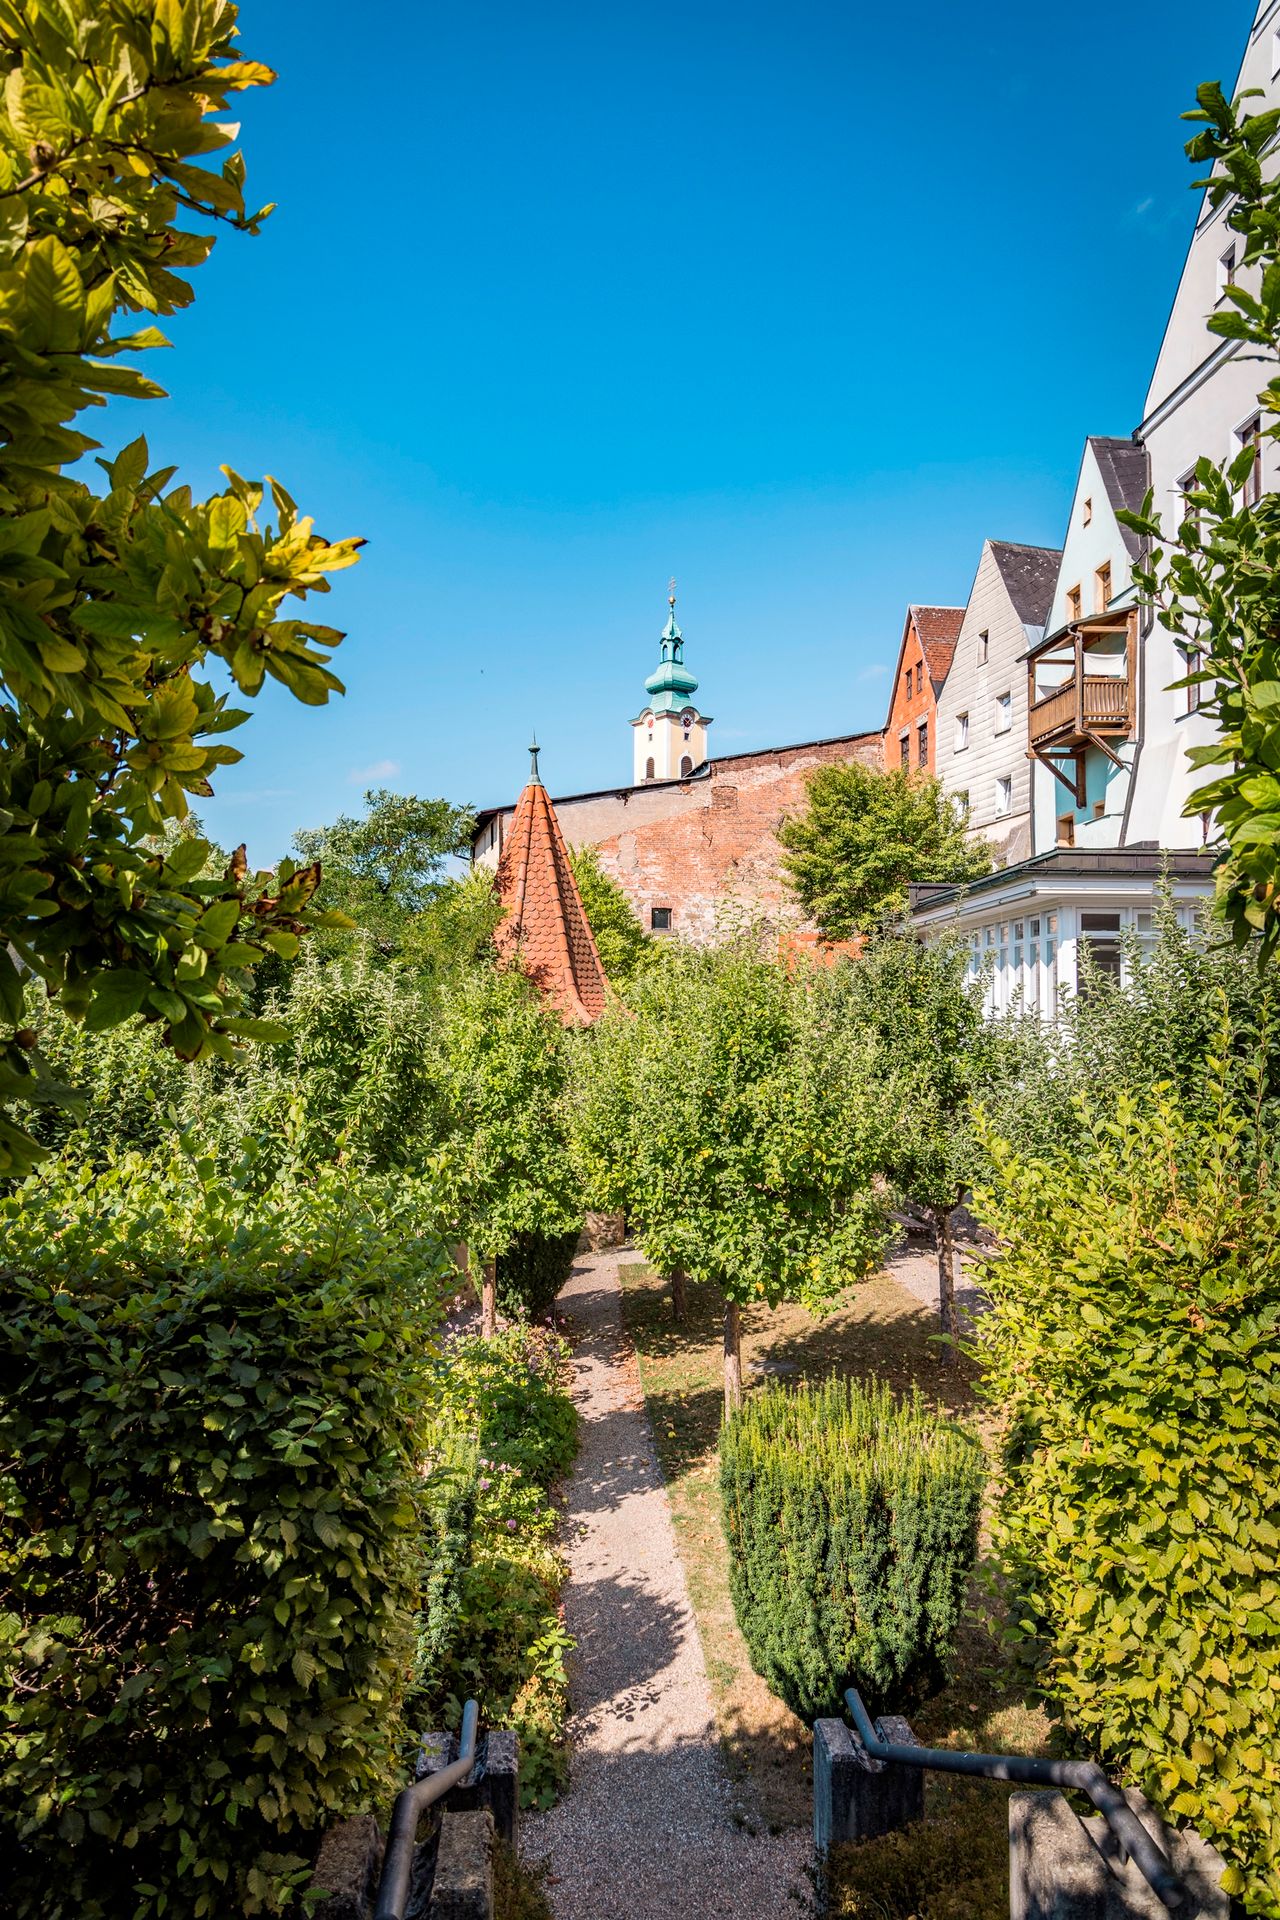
{"type": "Point", "coordinates": [545, 926]}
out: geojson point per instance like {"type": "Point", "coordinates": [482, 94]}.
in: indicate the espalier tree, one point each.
{"type": "Point", "coordinates": [1216, 578]}
{"type": "Point", "coordinates": [739, 1120]}
{"type": "Point", "coordinates": [117, 599]}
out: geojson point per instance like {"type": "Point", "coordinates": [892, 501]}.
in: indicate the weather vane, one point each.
{"type": "Point", "coordinates": [671, 591]}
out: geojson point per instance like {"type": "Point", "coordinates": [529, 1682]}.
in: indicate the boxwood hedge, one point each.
{"type": "Point", "coordinates": [211, 1538]}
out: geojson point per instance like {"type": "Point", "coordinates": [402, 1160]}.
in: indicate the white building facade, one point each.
{"type": "Point", "coordinates": [982, 708]}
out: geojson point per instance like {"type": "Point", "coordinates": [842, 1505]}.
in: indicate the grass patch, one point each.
{"type": "Point", "coordinates": [947, 1868]}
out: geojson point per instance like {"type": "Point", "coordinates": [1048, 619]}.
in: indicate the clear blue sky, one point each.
{"type": "Point", "coordinates": [797, 302]}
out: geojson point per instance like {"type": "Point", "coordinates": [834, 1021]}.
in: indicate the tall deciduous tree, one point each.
{"type": "Point", "coordinates": [739, 1120]}
{"type": "Point", "coordinates": [384, 869]}
{"type": "Point", "coordinates": [864, 837]}
{"type": "Point", "coordinates": [504, 1168]}
{"type": "Point", "coordinates": [115, 605]}
{"type": "Point", "coordinates": [1216, 577]}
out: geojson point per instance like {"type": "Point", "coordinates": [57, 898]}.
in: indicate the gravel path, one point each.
{"type": "Point", "coordinates": [648, 1829]}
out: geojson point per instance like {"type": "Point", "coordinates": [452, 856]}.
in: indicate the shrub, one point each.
{"type": "Point", "coordinates": [852, 1528]}
{"type": "Point", "coordinates": [1134, 1350]}
{"type": "Point", "coordinates": [506, 1642]}
{"type": "Point", "coordinates": [532, 1271]}
{"type": "Point", "coordinates": [210, 1529]}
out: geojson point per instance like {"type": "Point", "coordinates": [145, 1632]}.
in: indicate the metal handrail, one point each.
{"type": "Point", "coordinates": [1084, 1775]}
{"type": "Point", "coordinates": [397, 1862]}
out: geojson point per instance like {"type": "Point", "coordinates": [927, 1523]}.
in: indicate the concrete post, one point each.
{"type": "Point", "coordinates": [1065, 1868]}
{"type": "Point", "coordinates": [494, 1782]}
{"type": "Point", "coordinates": [854, 1796]}
{"type": "Point", "coordinates": [463, 1884]}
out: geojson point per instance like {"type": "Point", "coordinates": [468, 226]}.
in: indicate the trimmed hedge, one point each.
{"type": "Point", "coordinates": [532, 1271]}
{"type": "Point", "coordinates": [1134, 1354]}
{"type": "Point", "coordinates": [852, 1524]}
{"type": "Point", "coordinates": [211, 1530]}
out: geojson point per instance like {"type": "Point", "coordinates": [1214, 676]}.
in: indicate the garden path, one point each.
{"type": "Point", "coordinates": [650, 1826]}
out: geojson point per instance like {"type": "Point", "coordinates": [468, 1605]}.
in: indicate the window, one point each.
{"type": "Point", "coordinates": [648, 769]}
{"type": "Point", "coordinates": [962, 732]}
{"type": "Point", "coordinates": [1250, 435]}
{"type": "Point", "coordinates": [1275, 53]}
{"type": "Point", "coordinates": [1075, 603]}
{"type": "Point", "coordinates": [904, 750]}
{"type": "Point", "coordinates": [1226, 271]}
{"type": "Point", "coordinates": [962, 804]}
{"type": "Point", "coordinates": [1102, 588]}
{"type": "Point", "coordinates": [919, 676]}
{"type": "Point", "coordinates": [1100, 939]}
{"type": "Point", "coordinates": [984, 648]}
{"type": "Point", "coordinates": [660, 919]}
{"type": "Point", "coordinates": [1190, 511]}
{"type": "Point", "coordinates": [922, 744]}
{"type": "Point", "coordinates": [686, 766]}
{"type": "Point", "coordinates": [1004, 712]}
{"type": "Point", "coordinates": [907, 688]}
{"type": "Point", "coordinates": [1193, 660]}
{"type": "Point", "coordinates": [1086, 513]}
{"type": "Point", "coordinates": [1004, 794]}
{"type": "Point", "coordinates": [1066, 829]}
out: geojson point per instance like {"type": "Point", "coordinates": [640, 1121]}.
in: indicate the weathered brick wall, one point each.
{"type": "Point", "coordinates": [718, 857]}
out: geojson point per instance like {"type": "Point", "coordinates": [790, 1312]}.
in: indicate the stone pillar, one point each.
{"type": "Point", "coordinates": [463, 1884]}
{"type": "Point", "coordinates": [347, 1869]}
{"type": "Point", "coordinates": [495, 1778]}
{"type": "Point", "coordinates": [1065, 1868]}
{"type": "Point", "coordinates": [856, 1797]}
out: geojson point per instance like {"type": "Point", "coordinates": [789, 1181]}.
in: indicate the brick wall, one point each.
{"type": "Point", "coordinates": [706, 848]}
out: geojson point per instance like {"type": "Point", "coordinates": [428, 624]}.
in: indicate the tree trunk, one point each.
{"type": "Point", "coordinates": [679, 1295]}
{"type": "Point", "coordinates": [947, 1287]}
{"type": "Point", "coordinates": [489, 1300]}
{"type": "Point", "coordinates": [732, 1357]}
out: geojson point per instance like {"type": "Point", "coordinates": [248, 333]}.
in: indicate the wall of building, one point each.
{"type": "Point", "coordinates": [1093, 540]}
{"type": "Point", "coordinates": [913, 701]}
{"type": "Point", "coordinates": [706, 848]}
{"type": "Point", "coordinates": [972, 688]}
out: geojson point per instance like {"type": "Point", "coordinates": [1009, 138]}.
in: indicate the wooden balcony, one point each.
{"type": "Point", "coordinates": [1087, 705]}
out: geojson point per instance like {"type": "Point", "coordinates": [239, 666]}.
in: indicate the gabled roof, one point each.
{"type": "Point", "coordinates": [545, 927]}
{"type": "Point", "coordinates": [1126, 474]}
{"type": "Point", "coordinates": [1030, 575]}
{"type": "Point", "coordinates": [938, 629]}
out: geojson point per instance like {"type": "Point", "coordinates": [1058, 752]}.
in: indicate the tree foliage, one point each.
{"type": "Point", "coordinates": [864, 837]}
{"type": "Point", "coordinates": [622, 943]}
{"type": "Point", "coordinates": [1133, 1351]}
{"type": "Point", "coordinates": [384, 869]}
{"type": "Point", "coordinates": [1216, 577]}
{"type": "Point", "coordinates": [501, 1061]}
{"type": "Point", "coordinates": [122, 608]}
{"type": "Point", "coordinates": [738, 1120]}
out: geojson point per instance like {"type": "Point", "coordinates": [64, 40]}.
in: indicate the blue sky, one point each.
{"type": "Point", "coordinates": [795, 302]}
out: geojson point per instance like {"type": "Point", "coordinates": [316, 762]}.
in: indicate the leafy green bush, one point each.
{"type": "Point", "coordinates": [210, 1528]}
{"type": "Point", "coordinates": [1134, 1351]}
{"type": "Point", "coordinates": [507, 1642]}
{"type": "Point", "coordinates": [852, 1528]}
{"type": "Point", "coordinates": [532, 1271]}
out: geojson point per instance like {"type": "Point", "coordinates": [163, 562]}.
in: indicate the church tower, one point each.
{"type": "Point", "coordinates": [670, 734]}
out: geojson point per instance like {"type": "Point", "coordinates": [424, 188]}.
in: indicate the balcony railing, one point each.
{"type": "Point", "coordinates": [1085, 703]}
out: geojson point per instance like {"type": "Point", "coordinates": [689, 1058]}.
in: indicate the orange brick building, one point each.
{"type": "Point", "coordinates": [924, 661]}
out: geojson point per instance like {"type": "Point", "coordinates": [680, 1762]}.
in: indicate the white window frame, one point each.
{"type": "Point", "coordinates": [1004, 796]}
{"type": "Point", "coordinates": [1226, 272]}
{"type": "Point", "coordinates": [962, 732]}
{"type": "Point", "coordinates": [1003, 713]}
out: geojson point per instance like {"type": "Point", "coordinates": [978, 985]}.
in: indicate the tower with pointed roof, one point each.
{"type": "Point", "coordinates": [670, 733]}
{"type": "Point", "coordinates": [545, 929]}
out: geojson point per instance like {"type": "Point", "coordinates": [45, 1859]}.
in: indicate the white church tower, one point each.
{"type": "Point", "coordinates": [670, 735]}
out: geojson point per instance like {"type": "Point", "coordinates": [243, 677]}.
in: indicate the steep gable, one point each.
{"type": "Point", "coordinates": [1029, 575]}
{"type": "Point", "coordinates": [545, 927]}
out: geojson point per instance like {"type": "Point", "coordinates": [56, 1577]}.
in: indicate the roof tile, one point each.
{"type": "Point", "coordinates": [545, 926]}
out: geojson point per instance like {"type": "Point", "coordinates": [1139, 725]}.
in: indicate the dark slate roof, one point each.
{"type": "Point", "coordinates": [1030, 575]}
{"type": "Point", "coordinates": [1126, 473]}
